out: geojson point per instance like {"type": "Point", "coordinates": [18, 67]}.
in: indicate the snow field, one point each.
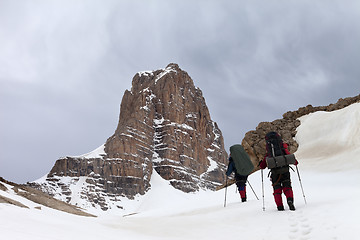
{"type": "Point", "coordinates": [330, 213]}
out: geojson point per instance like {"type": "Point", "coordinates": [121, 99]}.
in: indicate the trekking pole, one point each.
{"type": "Point", "coordinates": [262, 183]}
{"type": "Point", "coordinates": [225, 190]}
{"type": "Point", "coordinates": [252, 189]}
{"type": "Point", "coordinates": [302, 189]}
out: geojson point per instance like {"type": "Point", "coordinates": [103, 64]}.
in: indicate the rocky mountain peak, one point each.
{"type": "Point", "coordinates": [166, 114]}
{"type": "Point", "coordinates": [164, 126]}
{"type": "Point", "coordinates": [146, 79]}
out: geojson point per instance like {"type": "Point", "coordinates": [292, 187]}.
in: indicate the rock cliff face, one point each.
{"type": "Point", "coordinates": [254, 142]}
{"type": "Point", "coordinates": [164, 126]}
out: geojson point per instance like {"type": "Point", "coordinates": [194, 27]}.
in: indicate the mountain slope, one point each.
{"type": "Point", "coordinates": [330, 140]}
{"type": "Point", "coordinates": [27, 197]}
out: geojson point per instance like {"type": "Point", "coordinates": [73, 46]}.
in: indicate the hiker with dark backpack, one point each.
{"type": "Point", "coordinates": [277, 159]}
{"type": "Point", "coordinates": [241, 165]}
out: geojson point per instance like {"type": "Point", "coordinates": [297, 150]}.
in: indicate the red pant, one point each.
{"type": "Point", "coordinates": [277, 195]}
{"type": "Point", "coordinates": [243, 193]}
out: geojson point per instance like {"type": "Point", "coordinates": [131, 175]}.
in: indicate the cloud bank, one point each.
{"type": "Point", "coordinates": [65, 66]}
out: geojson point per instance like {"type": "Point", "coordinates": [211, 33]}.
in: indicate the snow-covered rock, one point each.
{"type": "Point", "coordinates": [164, 127]}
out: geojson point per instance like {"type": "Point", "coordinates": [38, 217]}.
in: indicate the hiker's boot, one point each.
{"type": "Point", "coordinates": [243, 199]}
{"type": "Point", "coordinates": [281, 208]}
{"type": "Point", "coordinates": [290, 202]}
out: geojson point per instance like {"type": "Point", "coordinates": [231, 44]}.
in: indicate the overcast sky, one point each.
{"type": "Point", "coordinates": [64, 66]}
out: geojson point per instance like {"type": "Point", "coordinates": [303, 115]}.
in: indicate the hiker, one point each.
{"type": "Point", "coordinates": [280, 176]}
{"type": "Point", "coordinates": [240, 179]}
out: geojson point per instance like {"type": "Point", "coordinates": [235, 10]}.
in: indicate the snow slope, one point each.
{"type": "Point", "coordinates": [327, 138]}
{"type": "Point", "coordinates": [330, 174]}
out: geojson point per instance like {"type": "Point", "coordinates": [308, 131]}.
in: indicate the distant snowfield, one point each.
{"type": "Point", "coordinates": [329, 168]}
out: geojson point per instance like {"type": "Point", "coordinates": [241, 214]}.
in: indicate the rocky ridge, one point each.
{"type": "Point", "coordinates": [254, 142]}
{"type": "Point", "coordinates": [164, 126]}
{"type": "Point", "coordinates": [36, 196]}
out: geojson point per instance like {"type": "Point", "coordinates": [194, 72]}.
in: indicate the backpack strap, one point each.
{"type": "Point", "coordinates": [272, 149]}
{"type": "Point", "coordinates": [278, 180]}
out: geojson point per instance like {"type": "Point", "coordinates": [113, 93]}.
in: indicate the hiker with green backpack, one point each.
{"type": "Point", "coordinates": [241, 165]}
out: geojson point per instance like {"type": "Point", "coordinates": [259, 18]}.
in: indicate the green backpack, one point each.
{"type": "Point", "coordinates": [241, 159]}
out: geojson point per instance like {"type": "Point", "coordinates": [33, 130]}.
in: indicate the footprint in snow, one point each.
{"type": "Point", "coordinates": [299, 226]}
